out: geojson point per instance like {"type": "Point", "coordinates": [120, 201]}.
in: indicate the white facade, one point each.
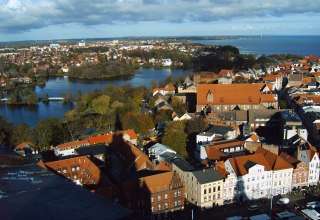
{"type": "Point", "coordinates": [63, 152]}
{"type": "Point", "coordinates": [256, 184]}
{"type": "Point", "coordinates": [229, 186]}
{"type": "Point", "coordinates": [166, 62]}
{"type": "Point", "coordinates": [282, 181]}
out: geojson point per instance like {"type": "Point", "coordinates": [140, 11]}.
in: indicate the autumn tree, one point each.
{"type": "Point", "coordinates": [101, 104]}
{"type": "Point", "coordinates": [175, 137]}
{"type": "Point", "coordinates": [178, 106]}
{"type": "Point", "coordinates": [22, 133]}
{"type": "Point", "coordinates": [140, 122]}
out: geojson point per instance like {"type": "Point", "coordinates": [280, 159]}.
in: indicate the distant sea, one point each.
{"type": "Point", "coordinates": [259, 45]}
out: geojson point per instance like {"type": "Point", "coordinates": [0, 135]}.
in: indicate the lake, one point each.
{"type": "Point", "coordinates": [56, 86]}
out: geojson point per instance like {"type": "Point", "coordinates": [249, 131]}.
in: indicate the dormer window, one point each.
{"type": "Point", "coordinates": [250, 98]}
{"type": "Point", "coordinates": [209, 97]}
{"type": "Point", "coordinates": [221, 99]}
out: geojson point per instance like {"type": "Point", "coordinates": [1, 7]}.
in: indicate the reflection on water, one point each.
{"type": "Point", "coordinates": [55, 87]}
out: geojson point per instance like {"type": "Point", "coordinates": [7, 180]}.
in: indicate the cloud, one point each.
{"type": "Point", "coordinates": [25, 15]}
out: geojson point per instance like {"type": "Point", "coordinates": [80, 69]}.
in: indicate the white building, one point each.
{"type": "Point", "coordinates": [166, 62]}
{"type": "Point", "coordinates": [310, 156]}
{"type": "Point", "coordinates": [67, 149]}
{"type": "Point", "coordinates": [254, 176]}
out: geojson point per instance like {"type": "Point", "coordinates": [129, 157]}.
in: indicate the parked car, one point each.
{"type": "Point", "coordinates": [253, 207]}
{"type": "Point", "coordinates": [283, 201]}
{"type": "Point", "coordinates": [313, 205]}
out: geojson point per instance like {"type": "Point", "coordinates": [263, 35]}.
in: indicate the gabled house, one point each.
{"type": "Point", "coordinates": [26, 148]}
{"type": "Point", "coordinates": [254, 176]}
{"type": "Point", "coordinates": [185, 116]}
{"type": "Point", "coordinates": [281, 172]}
{"type": "Point", "coordinates": [308, 154]}
{"type": "Point", "coordinates": [169, 89]}
{"type": "Point", "coordinates": [300, 173]}
{"type": "Point", "coordinates": [229, 183]}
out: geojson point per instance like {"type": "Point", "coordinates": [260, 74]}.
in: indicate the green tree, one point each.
{"type": "Point", "coordinates": [45, 98]}
{"type": "Point", "coordinates": [175, 137]}
{"type": "Point", "coordinates": [22, 133]}
{"type": "Point", "coordinates": [197, 125]}
{"type": "Point", "coordinates": [31, 98]}
{"type": "Point", "coordinates": [5, 131]}
{"type": "Point", "coordinates": [101, 104]}
{"type": "Point", "coordinates": [49, 132]}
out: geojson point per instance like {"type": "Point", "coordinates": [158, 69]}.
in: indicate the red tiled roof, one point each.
{"type": "Point", "coordinates": [215, 154]}
{"type": "Point", "coordinates": [73, 144]}
{"type": "Point", "coordinates": [105, 138]}
{"type": "Point", "coordinates": [275, 161]}
{"type": "Point", "coordinates": [240, 164]}
{"type": "Point", "coordinates": [23, 144]}
{"type": "Point", "coordinates": [131, 133]}
{"type": "Point", "coordinates": [230, 93]}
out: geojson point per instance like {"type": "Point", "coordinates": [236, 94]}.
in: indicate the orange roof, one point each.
{"type": "Point", "coordinates": [73, 144]}
{"type": "Point", "coordinates": [242, 164]}
{"type": "Point", "coordinates": [270, 78]}
{"type": "Point", "coordinates": [220, 166]}
{"type": "Point", "coordinates": [131, 133]}
{"type": "Point", "coordinates": [105, 138]}
{"type": "Point", "coordinates": [309, 80]}
{"type": "Point", "coordinates": [229, 93]}
{"type": "Point", "coordinates": [275, 161]}
{"type": "Point", "coordinates": [268, 98]}
{"type": "Point", "coordinates": [254, 137]}
{"type": "Point", "coordinates": [215, 154]}
{"type": "Point", "coordinates": [292, 160]}
{"type": "Point", "coordinates": [88, 171]}
{"type": "Point", "coordinates": [224, 72]}
{"type": "Point", "coordinates": [23, 145]}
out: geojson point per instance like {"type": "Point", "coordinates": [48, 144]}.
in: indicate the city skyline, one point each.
{"type": "Point", "coordinates": [65, 19]}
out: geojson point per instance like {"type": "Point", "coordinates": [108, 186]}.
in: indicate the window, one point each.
{"type": "Point", "coordinates": [179, 193]}
{"type": "Point", "coordinates": [166, 205]}
{"type": "Point", "coordinates": [175, 194]}
{"type": "Point", "coordinates": [214, 189]}
{"type": "Point", "coordinates": [209, 190]}
{"type": "Point", "coordinates": [73, 169]}
{"type": "Point", "coordinates": [159, 207]}
{"type": "Point", "coordinates": [152, 209]}
{"type": "Point", "coordinates": [159, 198]}
{"type": "Point", "coordinates": [78, 168]}
{"type": "Point", "coordinates": [179, 202]}
{"type": "Point", "coordinates": [166, 196]}
{"type": "Point", "coordinates": [209, 97]}
{"type": "Point", "coordinates": [218, 195]}
{"type": "Point", "coordinates": [205, 191]}
{"type": "Point", "coordinates": [175, 203]}
{"type": "Point", "coordinates": [218, 188]}
{"type": "Point", "coordinates": [64, 171]}
{"type": "Point", "coordinates": [205, 198]}
{"type": "Point", "coordinates": [152, 200]}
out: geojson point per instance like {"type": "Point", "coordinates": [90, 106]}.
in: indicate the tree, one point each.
{"type": "Point", "coordinates": [101, 105]}
{"type": "Point", "coordinates": [5, 131]}
{"type": "Point", "coordinates": [162, 116]}
{"type": "Point", "coordinates": [49, 132]}
{"type": "Point", "coordinates": [175, 137]}
{"type": "Point", "coordinates": [196, 125]}
{"type": "Point", "coordinates": [22, 133]}
{"type": "Point", "coordinates": [141, 123]}
{"type": "Point", "coordinates": [45, 99]}
{"type": "Point", "coordinates": [31, 98]}
{"type": "Point", "coordinates": [178, 106]}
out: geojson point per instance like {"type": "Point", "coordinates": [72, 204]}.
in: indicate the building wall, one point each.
{"type": "Point", "coordinates": [282, 181]}
{"type": "Point", "coordinates": [300, 175]}
{"type": "Point", "coordinates": [229, 185]}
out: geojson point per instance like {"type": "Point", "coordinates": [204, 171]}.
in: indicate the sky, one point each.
{"type": "Point", "coordinates": [82, 19]}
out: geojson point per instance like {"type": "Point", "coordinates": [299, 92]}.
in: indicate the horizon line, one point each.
{"type": "Point", "coordinates": [159, 37]}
